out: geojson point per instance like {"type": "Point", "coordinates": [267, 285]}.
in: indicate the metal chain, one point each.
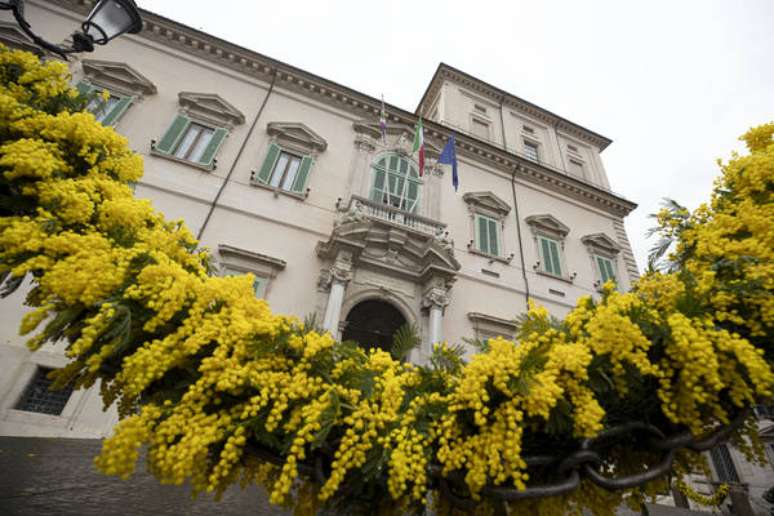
{"type": "Point", "coordinates": [585, 462]}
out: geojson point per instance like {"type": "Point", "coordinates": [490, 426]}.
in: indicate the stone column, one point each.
{"type": "Point", "coordinates": [340, 275]}
{"type": "Point", "coordinates": [435, 301]}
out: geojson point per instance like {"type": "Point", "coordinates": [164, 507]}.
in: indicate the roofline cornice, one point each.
{"type": "Point", "coordinates": [199, 44]}
{"type": "Point", "coordinates": [445, 71]}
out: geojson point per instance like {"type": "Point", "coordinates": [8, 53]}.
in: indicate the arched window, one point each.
{"type": "Point", "coordinates": [396, 182]}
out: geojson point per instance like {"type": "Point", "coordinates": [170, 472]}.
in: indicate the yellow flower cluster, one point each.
{"type": "Point", "coordinates": [207, 377]}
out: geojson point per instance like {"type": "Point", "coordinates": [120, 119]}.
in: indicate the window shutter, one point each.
{"type": "Point", "coordinates": [483, 235]}
{"type": "Point", "coordinates": [171, 137]}
{"type": "Point", "coordinates": [121, 106]}
{"type": "Point", "coordinates": [268, 163]}
{"type": "Point", "coordinates": [208, 156]}
{"type": "Point", "coordinates": [610, 273]}
{"type": "Point", "coordinates": [303, 173]}
{"type": "Point", "coordinates": [259, 286]}
{"type": "Point", "coordinates": [493, 243]}
{"type": "Point", "coordinates": [555, 258]}
{"type": "Point", "coordinates": [547, 263]}
{"type": "Point", "coordinates": [84, 88]}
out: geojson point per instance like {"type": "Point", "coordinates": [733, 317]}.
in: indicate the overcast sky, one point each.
{"type": "Point", "coordinates": [672, 83]}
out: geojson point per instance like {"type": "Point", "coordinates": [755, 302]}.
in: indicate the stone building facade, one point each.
{"type": "Point", "coordinates": [286, 175]}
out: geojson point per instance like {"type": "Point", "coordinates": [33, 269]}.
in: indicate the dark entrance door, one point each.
{"type": "Point", "coordinates": [372, 324]}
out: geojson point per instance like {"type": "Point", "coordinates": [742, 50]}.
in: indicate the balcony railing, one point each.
{"type": "Point", "coordinates": [399, 217]}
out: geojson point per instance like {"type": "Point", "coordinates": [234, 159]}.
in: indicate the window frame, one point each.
{"type": "Point", "coordinates": [260, 281]}
{"type": "Point", "coordinates": [725, 471]}
{"type": "Point", "coordinates": [527, 142]}
{"type": "Point", "coordinates": [548, 227]}
{"type": "Point", "coordinates": [94, 93]}
{"type": "Point", "coordinates": [406, 178]}
{"type": "Point", "coordinates": [579, 162]}
{"type": "Point", "coordinates": [490, 223]}
{"type": "Point", "coordinates": [195, 143]}
{"type": "Point", "coordinates": [612, 262]}
{"type": "Point", "coordinates": [292, 157]}
{"type": "Point", "coordinates": [31, 383]}
{"type": "Point", "coordinates": [551, 262]}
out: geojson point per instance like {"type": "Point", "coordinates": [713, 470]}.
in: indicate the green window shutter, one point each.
{"type": "Point", "coordinates": [303, 174]}
{"type": "Point", "coordinates": [493, 243]}
{"type": "Point", "coordinates": [555, 258]}
{"type": "Point", "coordinates": [208, 156]}
{"type": "Point", "coordinates": [259, 286]}
{"type": "Point", "coordinates": [483, 235]}
{"type": "Point", "coordinates": [602, 270]}
{"type": "Point", "coordinates": [547, 263]}
{"type": "Point", "coordinates": [119, 109]}
{"type": "Point", "coordinates": [268, 163]}
{"type": "Point", "coordinates": [173, 134]}
{"type": "Point", "coordinates": [84, 88]}
{"type": "Point", "coordinates": [609, 267]}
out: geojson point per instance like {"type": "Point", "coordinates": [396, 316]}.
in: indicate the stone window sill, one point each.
{"type": "Point", "coordinates": [277, 191]}
{"type": "Point", "coordinates": [491, 257]}
{"type": "Point", "coordinates": [206, 168]}
{"type": "Point", "coordinates": [554, 276]}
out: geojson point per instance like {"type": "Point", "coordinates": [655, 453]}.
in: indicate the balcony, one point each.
{"type": "Point", "coordinates": [396, 216]}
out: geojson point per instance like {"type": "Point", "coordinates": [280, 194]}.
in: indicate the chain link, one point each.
{"type": "Point", "coordinates": [582, 463]}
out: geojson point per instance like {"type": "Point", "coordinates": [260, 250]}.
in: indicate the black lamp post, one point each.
{"type": "Point", "coordinates": [108, 20]}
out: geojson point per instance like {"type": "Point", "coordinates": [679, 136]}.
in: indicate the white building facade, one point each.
{"type": "Point", "coordinates": [286, 175]}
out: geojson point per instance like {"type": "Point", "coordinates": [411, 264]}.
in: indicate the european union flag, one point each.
{"type": "Point", "coordinates": [449, 157]}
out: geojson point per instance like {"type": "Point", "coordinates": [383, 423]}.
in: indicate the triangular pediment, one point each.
{"type": "Point", "coordinates": [211, 106]}
{"type": "Point", "coordinates": [295, 133]}
{"type": "Point", "coordinates": [117, 76]}
{"type": "Point", "coordinates": [548, 223]}
{"type": "Point", "coordinates": [487, 201]}
{"type": "Point", "coordinates": [13, 37]}
{"type": "Point", "coordinates": [601, 242]}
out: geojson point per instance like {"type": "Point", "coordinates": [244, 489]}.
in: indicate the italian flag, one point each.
{"type": "Point", "coordinates": [419, 146]}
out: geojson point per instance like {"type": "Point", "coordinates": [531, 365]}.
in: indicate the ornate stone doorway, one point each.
{"type": "Point", "coordinates": [372, 323]}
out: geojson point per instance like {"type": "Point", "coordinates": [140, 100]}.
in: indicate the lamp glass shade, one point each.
{"type": "Point", "coordinates": [111, 18]}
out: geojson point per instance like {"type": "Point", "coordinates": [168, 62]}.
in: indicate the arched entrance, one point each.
{"type": "Point", "coordinates": [372, 323]}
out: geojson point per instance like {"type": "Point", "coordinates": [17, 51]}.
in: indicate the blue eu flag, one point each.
{"type": "Point", "coordinates": [449, 157]}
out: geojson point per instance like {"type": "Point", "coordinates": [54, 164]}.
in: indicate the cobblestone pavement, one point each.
{"type": "Point", "coordinates": [56, 477]}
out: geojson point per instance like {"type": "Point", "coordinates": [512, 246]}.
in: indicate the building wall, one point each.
{"type": "Point", "coordinates": [291, 229]}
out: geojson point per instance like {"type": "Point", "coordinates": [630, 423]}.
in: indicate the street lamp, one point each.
{"type": "Point", "coordinates": [108, 20]}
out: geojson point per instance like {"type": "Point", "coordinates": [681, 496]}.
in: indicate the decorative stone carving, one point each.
{"type": "Point", "coordinates": [355, 213]}
{"type": "Point", "coordinates": [487, 203]}
{"type": "Point", "coordinates": [600, 243]}
{"type": "Point", "coordinates": [210, 107]}
{"type": "Point", "coordinates": [435, 296]}
{"type": "Point", "coordinates": [548, 225]}
{"type": "Point", "coordinates": [295, 135]}
{"type": "Point", "coordinates": [446, 242]}
{"type": "Point", "coordinates": [119, 77]}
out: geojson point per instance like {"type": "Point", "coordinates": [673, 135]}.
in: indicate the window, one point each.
{"type": "Point", "coordinates": [38, 398]}
{"type": "Point", "coordinates": [396, 183]}
{"type": "Point", "coordinates": [550, 260]}
{"type": "Point", "coordinates": [105, 111]}
{"type": "Point", "coordinates": [194, 142]}
{"type": "Point", "coordinates": [479, 128]}
{"type": "Point", "coordinates": [531, 150]}
{"type": "Point", "coordinates": [576, 168]}
{"type": "Point", "coordinates": [527, 129]}
{"type": "Point", "coordinates": [283, 170]}
{"type": "Point", "coordinates": [259, 283]}
{"type": "Point", "coordinates": [479, 109]}
{"type": "Point", "coordinates": [723, 464]}
{"type": "Point", "coordinates": [605, 269]}
{"type": "Point", "coordinates": [487, 235]}
{"type": "Point", "coordinates": [572, 148]}
{"type": "Point", "coordinates": [191, 141]}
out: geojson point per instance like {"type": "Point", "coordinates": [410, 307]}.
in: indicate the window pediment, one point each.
{"type": "Point", "coordinates": [489, 326]}
{"type": "Point", "coordinates": [487, 203]}
{"type": "Point", "coordinates": [210, 107]}
{"type": "Point", "coordinates": [117, 76]}
{"type": "Point", "coordinates": [13, 37]}
{"type": "Point", "coordinates": [600, 243]}
{"type": "Point", "coordinates": [296, 135]}
{"type": "Point", "coordinates": [242, 259]}
{"type": "Point", "coordinates": [548, 224]}
{"type": "Point", "coordinates": [402, 136]}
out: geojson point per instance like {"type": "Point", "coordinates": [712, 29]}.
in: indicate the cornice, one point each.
{"type": "Point", "coordinates": [199, 44]}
